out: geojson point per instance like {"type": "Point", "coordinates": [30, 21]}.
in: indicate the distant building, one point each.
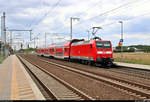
{"type": "Point", "coordinates": [135, 49]}
{"type": "Point", "coordinates": [139, 50]}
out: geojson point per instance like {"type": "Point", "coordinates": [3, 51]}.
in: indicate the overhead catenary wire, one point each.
{"type": "Point", "coordinates": [95, 5]}
{"type": "Point", "coordinates": [114, 22]}
{"type": "Point", "coordinates": [129, 20]}
{"type": "Point", "coordinates": [125, 21]}
{"type": "Point", "coordinates": [36, 23]}
{"type": "Point", "coordinates": [107, 12]}
{"type": "Point", "coordinates": [47, 13]}
{"type": "Point", "coordinates": [125, 11]}
{"type": "Point", "coordinates": [34, 19]}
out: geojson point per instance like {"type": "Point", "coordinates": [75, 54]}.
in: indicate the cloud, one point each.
{"type": "Point", "coordinates": [39, 16]}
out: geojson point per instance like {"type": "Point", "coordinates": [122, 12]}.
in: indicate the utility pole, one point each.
{"type": "Point", "coordinates": [4, 34]}
{"type": "Point", "coordinates": [72, 18]}
{"type": "Point", "coordinates": [88, 34]}
{"type": "Point", "coordinates": [71, 28]}
{"type": "Point", "coordinates": [3, 29]}
{"type": "Point", "coordinates": [121, 40]}
{"type": "Point", "coordinates": [17, 30]}
{"type": "Point", "coordinates": [1, 39]}
{"type": "Point", "coordinates": [11, 38]}
{"type": "Point", "coordinates": [30, 34]}
{"type": "Point", "coordinates": [35, 41]}
{"type": "Point", "coordinates": [45, 40]}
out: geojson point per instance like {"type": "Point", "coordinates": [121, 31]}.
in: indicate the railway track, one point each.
{"type": "Point", "coordinates": [136, 89]}
{"type": "Point", "coordinates": [120, 70]}
{"type": "Point", "coordinates": [132, 72]}
{"type": "Point", "coordinates": [54, 86]}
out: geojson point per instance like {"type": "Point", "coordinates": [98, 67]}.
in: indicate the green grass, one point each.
{"type": "Point", "coordinates": [132, 62]}
{"type": "Point", "coordinates": [3, 58]}
{"type": "Point", "coordinates": [134, 58]}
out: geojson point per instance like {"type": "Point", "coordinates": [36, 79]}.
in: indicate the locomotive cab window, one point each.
{"type": "Point", "coordinates": [65, 49]}
{"type": "Point", "coordinates": [52, 50]}
{"type": "Point", "coordinates": [103, 45]}
{"type": "Point", "coordinates": [107, 45]}
{"type": "Point", "coordinates": [99, 45]}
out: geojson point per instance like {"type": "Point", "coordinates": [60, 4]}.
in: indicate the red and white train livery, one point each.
{"type": "Point", "coordinates": [91, 51]}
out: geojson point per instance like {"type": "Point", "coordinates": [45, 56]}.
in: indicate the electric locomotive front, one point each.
{"type": "Point", "coordinates": [104, 52]}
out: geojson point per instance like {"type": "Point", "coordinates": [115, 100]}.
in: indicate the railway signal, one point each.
{"type": "Point", "coordinates": [120, 42]}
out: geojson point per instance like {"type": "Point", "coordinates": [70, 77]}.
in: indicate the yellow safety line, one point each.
{"type": "Point", "coordinates": [14, 85]}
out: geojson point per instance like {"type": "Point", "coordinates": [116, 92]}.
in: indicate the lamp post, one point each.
{"type": "Point", "coordinates": [72, 18]}
{"type": "Point", "coordinates": [88, 34]}
{"type": "Point", "coordinates": [121, 40]}
{"type": "Point", "coordinates": [45, 40]}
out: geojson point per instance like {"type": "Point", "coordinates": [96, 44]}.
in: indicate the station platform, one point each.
{"type": "Point", "coordinates": [137, 66]}
{"type": "Point", "coordinates": [16, 83]}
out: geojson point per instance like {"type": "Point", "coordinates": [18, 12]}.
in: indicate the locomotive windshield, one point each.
{"type": "Point", "coordinates": [99, 45]}
{"type": "Point", "coordinates": [103, 45]}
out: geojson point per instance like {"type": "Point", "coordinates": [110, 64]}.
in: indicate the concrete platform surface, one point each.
{"type": "Point", "coordinates": [137, 66]}
{"type": "Point", "coordinates": [16, 83]}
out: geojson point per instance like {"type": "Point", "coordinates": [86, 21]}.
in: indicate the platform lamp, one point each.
{"type": "Point", "coordinates": [121, 40]}
{"type": "Point", "coordinates": [72, 18]}
{"type": "Point", "coordinates": [88, 34]}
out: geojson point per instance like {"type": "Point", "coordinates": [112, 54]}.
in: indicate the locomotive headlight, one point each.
{"type": "Point", "coordinates": [108, 52]}
{"type": "Point", "coordinates": [99, 52]}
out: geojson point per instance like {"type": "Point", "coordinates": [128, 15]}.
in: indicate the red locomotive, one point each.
{"type": "Point", "coordinates": [89, 52]}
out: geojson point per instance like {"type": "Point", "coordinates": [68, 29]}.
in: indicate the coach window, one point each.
{"type": "Point", "coordinates": [65, 49]}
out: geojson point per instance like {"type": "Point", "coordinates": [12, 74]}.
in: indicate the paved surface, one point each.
{"type": "Point", "coordinates": [15, 82]}
{"type": "Point", "coordinates": [5, 79]}
{"type": "Point", "coordinates": [138, 66]}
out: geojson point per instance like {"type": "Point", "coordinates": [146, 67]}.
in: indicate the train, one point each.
{"type": "Point", "coordinates": [94, 51]}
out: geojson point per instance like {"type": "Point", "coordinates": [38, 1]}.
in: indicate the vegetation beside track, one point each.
{"type": "Point", "coordinates": [3, 58]}
{"type": "Point", "coordinates": [135, 58]}
{"type": "Point", "coordinates": [28, 50]}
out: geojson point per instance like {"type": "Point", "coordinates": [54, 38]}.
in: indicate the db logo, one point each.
{"type": "Point", "coordinates": [78, 51]}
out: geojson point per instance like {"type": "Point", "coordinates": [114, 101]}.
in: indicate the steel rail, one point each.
{"type": "Point", "coordinates": [139, 89]}
{"type": "Point", "coordinates": [75, 90]}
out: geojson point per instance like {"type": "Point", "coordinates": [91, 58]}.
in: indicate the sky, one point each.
{"type": "Point", "coordinates": [52, 18]}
